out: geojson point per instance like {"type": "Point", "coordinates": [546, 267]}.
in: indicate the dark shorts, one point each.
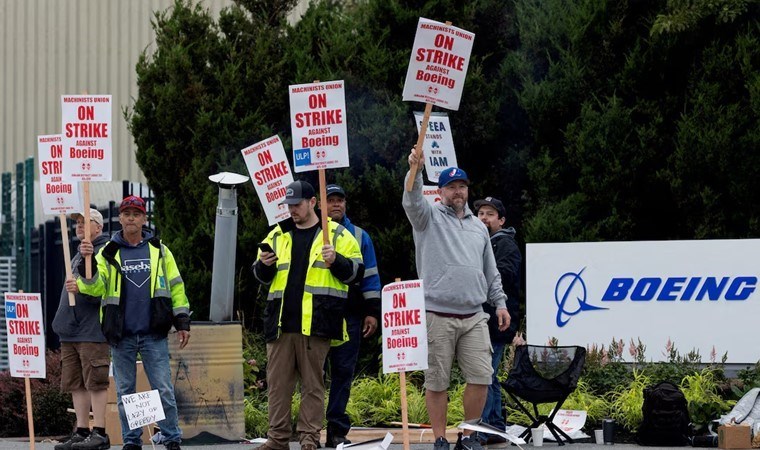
{"type": "Point", "coordinates": [84, 365]}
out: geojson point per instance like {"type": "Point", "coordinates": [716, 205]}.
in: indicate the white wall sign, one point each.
{"type": "Point", "coordinates": [438, 145]}
{"type": "Point", "coordinates": [270, 175]}
{"type": "Point", "coordinates": [318, 121]}
{"type": "Point", "coordinates": [431, 194]}
{"type": "Point", "coordinates": [438, 65]}
{"type": "Point", "coordinates": [26, 337]}
{"type": "Point", "coordinates": [143, 408]}
{"type": "Point", "coordinates": [697, 294]}
{"type": "Point", "coordinates": [58, 196]}
{"type": "Point", "coordinates": [86, 131]}
{"type": "Point", "coordinates": [404, 327]}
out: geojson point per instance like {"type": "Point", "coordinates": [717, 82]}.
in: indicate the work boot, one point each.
{"type": "Point", "coordinates": [95, 441]}
{"type": "Point", "coordinates": [73, 439]}
{"type": "Point", "coordinates": [333, 440]}
{"type": "Point", "coordinates": [441, 444]}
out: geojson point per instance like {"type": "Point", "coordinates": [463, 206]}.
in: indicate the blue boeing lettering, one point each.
{"type": "Point", "coordinates": [680, 288]}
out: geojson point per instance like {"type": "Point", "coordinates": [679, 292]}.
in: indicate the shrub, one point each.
{"type": "Point", "coordinates": [48, 402]}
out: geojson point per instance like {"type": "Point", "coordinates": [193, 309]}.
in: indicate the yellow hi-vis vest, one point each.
{"type": "Point", "coordinates": [324, 296]}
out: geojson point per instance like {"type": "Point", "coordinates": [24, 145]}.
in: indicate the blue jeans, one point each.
{"type": "Point", "coordinates": [342, 364]}
{"type": "Point", "coordinates": [492, 411]}
{"type": "Point", "coordinates": [155, 357]}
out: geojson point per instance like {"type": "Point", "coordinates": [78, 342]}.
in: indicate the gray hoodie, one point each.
{"type": "Point", "coordinates": [80, 323]}
{"type": "Point", "coordinates": [454, 256]}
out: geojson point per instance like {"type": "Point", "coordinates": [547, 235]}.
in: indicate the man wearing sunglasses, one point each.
{"type": "Point", "coordinates": [143, 296]}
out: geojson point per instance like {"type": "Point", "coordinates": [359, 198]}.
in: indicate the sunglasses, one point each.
{"type": "Point", "coordinates": [132, 202]}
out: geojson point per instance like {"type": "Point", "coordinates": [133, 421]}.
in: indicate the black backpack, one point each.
{"type": "Point", "coordinates": [666, 417]}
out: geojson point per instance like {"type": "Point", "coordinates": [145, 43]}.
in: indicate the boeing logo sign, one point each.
{"type": "Point", "coordinates": [571, 285]}
{"type": "Point", "coordinates": [589, 293]}
{"type": "Point", "coordinates": [570, 292]}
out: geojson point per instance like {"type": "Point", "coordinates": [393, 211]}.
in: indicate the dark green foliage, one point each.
{"type": "Point", "coordinates": [592, 120]}
{"type": "Point", "coordinates": [48, 402]}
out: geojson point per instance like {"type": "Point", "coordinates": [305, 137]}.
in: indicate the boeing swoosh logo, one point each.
{"type": "Point", "coordinates": [566, 285]}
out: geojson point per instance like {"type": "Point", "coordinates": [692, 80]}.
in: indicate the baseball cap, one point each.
{"type": "Point", "coordinates": [495, 203]}
{"type": "Point", "coordinates": [452, 174]}
{"type": "Point", "coordinates": [334, 189]}
{"type": "Point", "coordinates": [133, 202]}
{"type": "Point", "coordinates": [297, 191]}
{"type": "Point", "coordinates": [95, 216]}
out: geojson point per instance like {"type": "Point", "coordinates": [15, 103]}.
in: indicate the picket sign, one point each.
{"type": "Point", "coordinates": [86, 134]}
{"type": "Point", "coordinates": [58, 196]}
{"type": "Point", "coordinates": [452, 54]}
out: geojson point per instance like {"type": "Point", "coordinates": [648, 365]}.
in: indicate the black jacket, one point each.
{"type": "Point", "coordinates": [508, 262]}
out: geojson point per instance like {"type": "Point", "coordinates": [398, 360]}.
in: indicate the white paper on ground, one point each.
{"type": "Point", "coordinates": [374, 444]}
{"type": "Point", "coordinates": [477, 425]}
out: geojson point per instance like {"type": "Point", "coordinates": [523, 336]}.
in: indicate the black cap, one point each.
{"type": "Point", "coordinates": [297, 191]}
{"type": "Point", "coordinates": [495, 203]}
{"type": "Point", "coordinates": [334, 189]}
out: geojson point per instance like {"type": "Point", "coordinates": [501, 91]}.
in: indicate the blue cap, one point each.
{"type": "Point", "coordinates": [452, 174]}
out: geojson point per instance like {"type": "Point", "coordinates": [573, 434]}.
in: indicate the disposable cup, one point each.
{"type": "Point", "coordinates": [537, 434]}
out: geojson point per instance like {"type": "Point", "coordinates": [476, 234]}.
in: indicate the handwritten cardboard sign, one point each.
{"type": "Point", "coordinates": [143, 408]}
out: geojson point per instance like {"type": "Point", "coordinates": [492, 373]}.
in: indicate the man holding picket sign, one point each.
{"type": "Point", "coordinates": [453, 252]}
{"type": "Point", "coordinates": [308, 288]}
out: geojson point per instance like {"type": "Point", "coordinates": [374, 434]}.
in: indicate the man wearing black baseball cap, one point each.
{"type": "Point", "coordinates": [492, 213]}
{"type": "Point", "coordinates": [453, 255]}
{"type": "Point", "coordinates": [308, 289]}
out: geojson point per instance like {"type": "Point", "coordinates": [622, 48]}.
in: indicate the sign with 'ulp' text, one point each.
{"type": "Point", "coordinates": [26, 340]}
{"type": "Point", "coordinates": [318, 121]}
{"type": "Point", "coordinates": [143, 408]}
{"type": "Point", "coordinates": [59, 196]}
{"type": "Point", "coordinates": [438, 146]}
{"type": "Point", "coordinates": [270, 174]}
{"type": "Point", "coordinates": [86, 132]}
{"type": "Point", "coordinates": [701, 295]}
{"type": "Point", "coordinates": [438, 65]}
{"type": "Point", "coordinates": [404, 327]}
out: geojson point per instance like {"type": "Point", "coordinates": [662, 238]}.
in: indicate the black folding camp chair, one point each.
{"type": "Point", "coordinates": [544, 375]}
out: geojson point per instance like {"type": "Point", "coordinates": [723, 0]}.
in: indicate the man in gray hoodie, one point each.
{"type": "Point", "coordinates": [85, 354]}
{"type": "Point", "coordinates": [455, 260]}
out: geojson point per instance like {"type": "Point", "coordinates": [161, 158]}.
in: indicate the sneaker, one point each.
{"type": "Point", "coordinates": [73, 439]}
{"type": "Point", "coordinates": [131, 447]}
{"type": "Point", "coordinates": [95, 441]}
{"type": "Point", "coordinates": [468, 443]}
{"type": "Point", "coordinates": [441, 444]}
{"type": "Point", "coordinates": [334, 441]}
{"type": "Point", "coordinates": [172, 446]}
{"type": "Point", "coordinates": [308, 447]}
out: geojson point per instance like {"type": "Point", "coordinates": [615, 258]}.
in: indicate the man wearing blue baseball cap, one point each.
{"type": "Point", "coordinates": [454, 258]}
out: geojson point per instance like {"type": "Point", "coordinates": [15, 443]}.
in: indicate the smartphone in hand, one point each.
{"type": "Point", "coordinates": [265, 247]}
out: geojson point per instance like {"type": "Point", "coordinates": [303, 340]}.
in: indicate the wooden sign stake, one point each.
{"type": "Point", "coordinates": [67, 253]}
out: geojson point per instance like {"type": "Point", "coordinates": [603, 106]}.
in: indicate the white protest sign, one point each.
{"type": "Point", "coordinates": [438, 65]}
{"type": "Point", "coordinates": [270, 174]}
{"type": "Point", "coordinates": [431, 194]}
{"type": "Point", "coordinates": [86, 130]}
{"type": "Point", "coordinates": [26, 341]}
{"type": "Point", "coordinates": [404, 327]}
{"type": "Point", "coordinates": [318, 121]}
{"type": "Point", "coordinates": [58, 196]}
{"type": "Point", "coordinates": [438, 145]}
{"type": "Point", "coordinates": [569, 420]}
{"type": "Point", "coordinates": [143, 408]}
